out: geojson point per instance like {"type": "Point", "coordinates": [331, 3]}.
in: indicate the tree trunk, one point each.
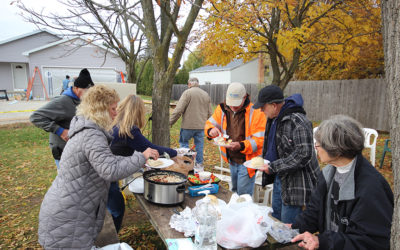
{"type": "Point", "coordinates": [131, 72]}
{"type": "Point", "coordinates": [160, 105]}
{"type": "Point", "coordinates": [391, 37]}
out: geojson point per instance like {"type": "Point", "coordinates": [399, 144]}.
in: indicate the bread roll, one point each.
{"type": "Point", "coordinates": [154, 163]}
{"type": "Point", "coordinates": [257, 162]}
{"type": "Point", "coordinates": [213, 199]}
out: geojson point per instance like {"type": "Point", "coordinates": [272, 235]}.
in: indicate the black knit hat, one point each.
{"type": "Point", "coordinates": [84, 80]}
{"type": "Point", "coordinates": [269, 94]}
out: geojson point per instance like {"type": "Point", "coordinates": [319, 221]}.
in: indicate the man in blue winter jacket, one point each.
{"type": "Point", "coordinates": [56, 115]}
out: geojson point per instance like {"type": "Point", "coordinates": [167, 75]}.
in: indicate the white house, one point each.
{"type": "Point", "coordinates": [55, 58]}
{"type": "Point", "coordinates": [252, 71]}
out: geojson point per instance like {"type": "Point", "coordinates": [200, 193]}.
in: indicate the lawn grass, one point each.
{"type": "Point", "coordinates": [27, 170]}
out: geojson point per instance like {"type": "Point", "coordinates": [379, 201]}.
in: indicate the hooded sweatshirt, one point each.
{"type": "Point", "coordinates": [56, 116]}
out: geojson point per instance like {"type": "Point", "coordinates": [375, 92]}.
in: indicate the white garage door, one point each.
{"type": "Point", "coordinates": [53, 77]}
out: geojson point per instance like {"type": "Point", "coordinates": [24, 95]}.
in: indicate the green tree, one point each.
{"type": "Point", "coordinates": [182, 77]}
{"type": "Point", "coordinates": [145, 83]}
{"type": "Point", "coordinates": [194, 61]}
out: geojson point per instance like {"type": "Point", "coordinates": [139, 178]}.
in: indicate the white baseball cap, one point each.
{"type": "Point", "coordinates": [234, 94]}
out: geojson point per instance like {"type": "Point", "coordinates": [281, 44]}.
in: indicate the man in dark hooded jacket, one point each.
{"type": "Point", "coordinates": [56, 115]}
{"type": "Point", "coordinates": [289, 147]}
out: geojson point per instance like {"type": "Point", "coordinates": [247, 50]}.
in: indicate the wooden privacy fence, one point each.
{"type": "Point", "coordinates": [365, 100]}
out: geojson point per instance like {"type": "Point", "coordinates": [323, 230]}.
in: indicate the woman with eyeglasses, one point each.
{"type": "Point", "coordinates": [352, 205]}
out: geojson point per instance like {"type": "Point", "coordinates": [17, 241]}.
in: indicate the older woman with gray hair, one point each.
{"type": "Point", "coordinates": [352, 205]}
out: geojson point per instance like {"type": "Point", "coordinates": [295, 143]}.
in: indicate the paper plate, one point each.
{"type": "Point", "coordinates": [137, 186]}
{"type": "Point", "coordinates": [247, 164]}
{"type": "Point", "coordinates": [166, 163]}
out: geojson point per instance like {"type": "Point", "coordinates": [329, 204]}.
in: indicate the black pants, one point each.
{"type": "Point", "coordinates": [116, 205]}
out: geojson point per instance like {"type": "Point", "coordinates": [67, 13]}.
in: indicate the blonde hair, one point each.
{"type": "Point", "coordinates": [95, 105]}
{"type": "Point", "coordinates": [131, 113]}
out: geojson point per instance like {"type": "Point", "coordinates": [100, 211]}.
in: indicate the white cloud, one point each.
{"type": "Point", "coordinates": [12, 24]}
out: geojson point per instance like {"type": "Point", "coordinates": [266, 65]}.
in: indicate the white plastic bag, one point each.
{"type": "Point", "coordinates": [116, 246]}
{"type": "Point", "coordinates": [243, 223]}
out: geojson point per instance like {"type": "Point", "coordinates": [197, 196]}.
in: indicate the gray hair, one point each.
{"type": "Point", "coordinates": [194, 82]}
{"type": "Point", "coordinates": [341, 136]}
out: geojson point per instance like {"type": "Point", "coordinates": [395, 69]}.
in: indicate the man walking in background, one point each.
{"type": "Point", "coordinates": [195, 108]}
{"type": "Point", "coordinates": [65, 84]}
{"type": "Point", "coordinates": [56, 115]}
{"type": "Point", "coordinates": [245, 126]}
{"type": "Point", "coordinates": [289, 146]}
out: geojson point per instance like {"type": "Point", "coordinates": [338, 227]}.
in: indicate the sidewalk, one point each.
{"type": "Point", "coordinates": [17, 111]}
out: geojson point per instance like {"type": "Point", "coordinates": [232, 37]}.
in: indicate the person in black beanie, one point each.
{"type": "Point", "coordinates": [289, 147]}
{"type": "Point", "coordinates": [56, 115]}
{"type": "Point", "coordinates": [84, 81]}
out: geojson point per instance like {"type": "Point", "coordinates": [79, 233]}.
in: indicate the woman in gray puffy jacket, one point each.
{"type": "Point", "coordinates": [73, 209]}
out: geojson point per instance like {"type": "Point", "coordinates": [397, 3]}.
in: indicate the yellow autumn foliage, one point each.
{"type": "Point", "coordinates": [322, 40]}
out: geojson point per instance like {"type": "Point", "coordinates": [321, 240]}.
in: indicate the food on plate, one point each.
{"type": "Point", "coordinates": [241, 199]}
{"type": "Point", "coordinates": [222, 142]}
{"type": "Point", "coordinates": [204, 175]}
{"type": "Point", "coordinates": [213, 199]}
{"type": "Point", "coordinates": [154, 163]}
{"type": "Point", "coordinates": [195, 179]}
{"type": "Point", "coordinates": [166, 178]}
{"type": "Point", "coordinates": [257, 162]}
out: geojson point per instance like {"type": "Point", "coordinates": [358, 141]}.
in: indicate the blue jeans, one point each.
{"type": "Point", "coordinates": [116, 205]}
{"type": "Point", "coordinates": [241, 182]}
{"type": "Point", "coordinates": [57, 163]}
{"type": "Point", "coordinates": [284, 213]}
{"type": "Point", "coordinates": [198, 136]}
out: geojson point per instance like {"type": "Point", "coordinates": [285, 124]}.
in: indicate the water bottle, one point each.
{"type": "Point", "coordinates": [206, 229]}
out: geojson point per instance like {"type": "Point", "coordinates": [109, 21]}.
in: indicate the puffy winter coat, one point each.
{"type": "Point", "coordinates": [73, 209]}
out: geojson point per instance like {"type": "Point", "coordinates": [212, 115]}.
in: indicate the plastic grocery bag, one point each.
{"type": "Point", "coordinates": [116, 246]}
{"type": "Point", "coordinates": [243, 223]}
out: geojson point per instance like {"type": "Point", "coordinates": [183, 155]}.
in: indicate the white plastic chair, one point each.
{"type": "Point", "coordinates": [267, 198]}
{"type": "Point", "coordinates": [315, 130]}
{"type": "Point", "coordinates": [224, 172]}
{"type": "Point", "coordinates": [368, 132]}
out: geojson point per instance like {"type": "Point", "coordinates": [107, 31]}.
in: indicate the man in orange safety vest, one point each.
{"type": "Point", "coordinates": [245, 126]}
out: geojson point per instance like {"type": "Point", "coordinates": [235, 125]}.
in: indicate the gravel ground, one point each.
{"type": "Point", "coordinates": [17, 111]}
